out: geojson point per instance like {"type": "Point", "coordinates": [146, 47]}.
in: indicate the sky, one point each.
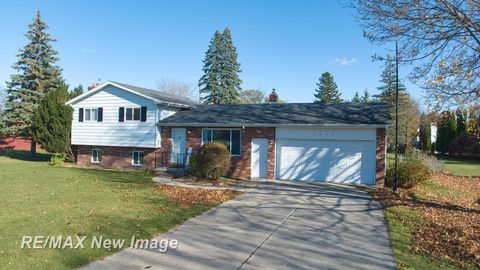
{"type": "Point", "coordinates": [284, 45]}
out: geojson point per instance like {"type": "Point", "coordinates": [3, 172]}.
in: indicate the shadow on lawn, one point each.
{"type": "Point", "coordinates": [24, 155]}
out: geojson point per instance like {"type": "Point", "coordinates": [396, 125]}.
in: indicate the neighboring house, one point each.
{"type": "Point", "coordinates": [114, 125]}
{"type": "Point", "coordinates": [343, 143]}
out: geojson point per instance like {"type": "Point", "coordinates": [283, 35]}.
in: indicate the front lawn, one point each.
{"type": "Point", "coordinates": [39, 199]}
{"type": "Point", "coordinates": [462, 167]}
{"type": "Point", "coordinates": [435, 225]}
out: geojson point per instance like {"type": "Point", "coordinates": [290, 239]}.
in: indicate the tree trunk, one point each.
{"type": "Point", "coordinates": [33, 148]}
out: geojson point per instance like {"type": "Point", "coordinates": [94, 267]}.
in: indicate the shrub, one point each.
{"type": "Point", "coordinates": [411, 172]}
{"type": "Point", "coordinates": [193, 164]}
{"type": "Point", "coordinates": [57, 159]}
{"type": "Point", "coordinates": [212, 161]}
{"type": "Point", "coordinates": [465, 146]}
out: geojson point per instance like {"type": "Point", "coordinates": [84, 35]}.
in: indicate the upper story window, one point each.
{"type": "Point", "coordinates": [230, 137]}
{"type": "Point", "coordinates": [91, 114]}
{"type": "Point", "coordinates": [132, 114]}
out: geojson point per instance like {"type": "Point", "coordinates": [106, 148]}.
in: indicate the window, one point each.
{"type": "Point", "coordinates": [132, 114]}
{"type": "Point", "coordinates": [96, 155]}
{"type": "Point", "coordinates": [137, 158]}
{"type": "Point", "coordinates": [91, 114]}
{"type": "Point", "coordinates": [230, 137]}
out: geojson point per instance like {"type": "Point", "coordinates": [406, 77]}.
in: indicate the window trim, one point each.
{"type": "Point", "coordinates": [90, 114]}
{"type": "Point", "coordinates": [230, 130]}
{"type": "Point", "coordinates": [133, 158]}
{"type": "Point", "coordinates": [99, 156]}
{"type": "Point", "coordinates": [133, 113]}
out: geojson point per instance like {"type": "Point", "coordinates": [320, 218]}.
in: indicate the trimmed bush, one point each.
{"type": "Point", "coordinates": [212, 161]}
{"type": "Point", "coordinates": [193, 164]}
{"type": "Point", "coordinates": [411, 172]}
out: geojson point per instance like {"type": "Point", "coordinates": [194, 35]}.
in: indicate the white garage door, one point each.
{"type": "Point", "coordinates": [327, 155]}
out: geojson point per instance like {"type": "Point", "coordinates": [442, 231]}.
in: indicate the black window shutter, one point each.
{"type": "Point", "coordinates": [121, 113]}
{"type": "Point", "coordinates": [143, 114]}
{"type": "Point", "coordinates": [80, 115]}
{"type": "Point", "coordinates": [100, 114]}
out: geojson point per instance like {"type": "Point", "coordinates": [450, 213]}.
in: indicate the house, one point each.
{"type": "Point", "coordinates": [343, 143]}
{"type": "Point", "coordinates": [115, 125]}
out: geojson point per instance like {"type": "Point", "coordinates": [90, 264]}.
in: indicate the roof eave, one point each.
{"type": "Point", "coordinates": [272, 125]}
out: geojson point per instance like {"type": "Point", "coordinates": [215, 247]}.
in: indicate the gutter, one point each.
{"type": "Point", "coordinates": [272, 125]}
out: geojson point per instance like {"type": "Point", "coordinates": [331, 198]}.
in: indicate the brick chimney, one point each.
{"type": "Point", "coordinates": [273, 97]}
{"type": "Point", "coordinates": [93, 85]}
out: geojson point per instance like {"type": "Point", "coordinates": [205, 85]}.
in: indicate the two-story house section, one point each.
{"type": "Point", "coordinates": [115, 125]}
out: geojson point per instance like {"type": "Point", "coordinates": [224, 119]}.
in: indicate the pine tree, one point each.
{"type": "Point", "coordinates": [52, 121]}
{"type": "Point", "coordinates": [366, 97]}
{"type": "Point", "coordinates": [36, 75]}
{"type": "Point", "coordinates": [426, 136]}
{"type": "Point", "coordinates": [231, 82]}
{"type": "Point", "coordinates": [77, 91]}
{"type": "Point", "coordinates": [356, 98]}
{"type": "Point", "coordinates": [408, 111]}
{"type": "Point", "coordinates": [446, 132]}
{"type": "Point", "coordinates": [461, 123]}
{"type": "Point", "coordinates": [327, 91]}
{"type": "Point", "coordinates": [220, 83]}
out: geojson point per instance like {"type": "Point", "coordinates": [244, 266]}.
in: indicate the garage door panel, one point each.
{"type": "Point", "coordinates": [330, 161]}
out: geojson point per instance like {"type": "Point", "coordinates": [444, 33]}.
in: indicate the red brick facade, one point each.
{"type": "Point", "coordinates": [240, 164]}
{"type": "Point", "coordinates": [121, 157]}
{"type": "Point", "coordinates": [380, 153]}
{"type": "Point", "coordinates": [117, 157]}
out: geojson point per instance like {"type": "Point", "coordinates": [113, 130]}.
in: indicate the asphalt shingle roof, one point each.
{"type": "Point", "coordinates": [282, 114]}
{"type": "Point", "coordinates": [159, 95]}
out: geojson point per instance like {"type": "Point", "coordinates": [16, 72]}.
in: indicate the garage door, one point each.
{"type": "Point", "coordinates": [338, 161]}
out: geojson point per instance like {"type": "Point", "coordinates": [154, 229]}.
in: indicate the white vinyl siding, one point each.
{"type": "Point", "coordinates": [111, 132]}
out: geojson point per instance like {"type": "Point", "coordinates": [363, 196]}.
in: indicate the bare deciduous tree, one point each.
{"type": "Point", "coordinates": [177, 88]}
{"type": "Point", "coordinates": [442, 37]}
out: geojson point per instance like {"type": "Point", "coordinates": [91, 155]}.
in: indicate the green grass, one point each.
{"type": "Point", "coordinates": [38, 199]}
{"type": "Point", "coordinates": [462, 167]}
{"type": "Point", "coordinates": [402, 223]}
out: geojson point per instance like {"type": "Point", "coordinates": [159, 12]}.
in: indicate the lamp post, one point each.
{"type": "Point", "coordinates": [395, 178]}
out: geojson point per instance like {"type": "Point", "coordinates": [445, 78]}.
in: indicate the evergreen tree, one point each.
{"type": "Point", "coordinates": [77, 91]}
{"type": "Point", "coordinates": [231, 82]}
{"type": "Point", "coordinates": [356, 98]}
{"type": "Point", "coordinates": [426, 136]}
{"type": "Point", "coordinates": [408, 111]}
{"type": "Point", "coordinates": [36, 75]}
{"type": "Point", "coordinates": [366, 97]}
{"type": "Point", "coordinates": [327, 91]}
{"type": "Point", "coordinates": [220, 83]}
{"type": "Point", "coordinates": [446, 132]}
{"type": "Point", "coordinates": [461, 123]}
{"type": "Point", "coordinates": [52, 121]}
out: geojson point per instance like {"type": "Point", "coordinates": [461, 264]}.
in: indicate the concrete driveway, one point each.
{"type": "Point", "coordinates": [275, 225]}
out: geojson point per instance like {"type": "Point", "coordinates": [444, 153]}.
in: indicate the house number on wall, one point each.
{"type": "Point", "coordinates": [323, 134]}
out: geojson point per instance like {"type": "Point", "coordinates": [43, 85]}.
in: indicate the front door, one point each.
{"type": "Point", "coordinates": [178, 145]}
{"type": "Point", "coordinates": [259, 158]}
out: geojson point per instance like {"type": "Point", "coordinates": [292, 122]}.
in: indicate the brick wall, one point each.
{"type": "Point", "coordinates": [240, 164]}
{"type": "Point", "coordinates": [14, 143]}
{"type": "Point", "coordinates": [380, 162]}
{"type": "Point", "coordinates": [117, 157]}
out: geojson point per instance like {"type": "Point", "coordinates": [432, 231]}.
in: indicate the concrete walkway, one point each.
{"type": "Point", "coordinates": [275, 225]}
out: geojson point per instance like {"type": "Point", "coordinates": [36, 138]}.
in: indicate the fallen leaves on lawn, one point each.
{"type": "Point", "coordinates": [184, 197]}
{"type": "Point", "coordinates": [452, 223]}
